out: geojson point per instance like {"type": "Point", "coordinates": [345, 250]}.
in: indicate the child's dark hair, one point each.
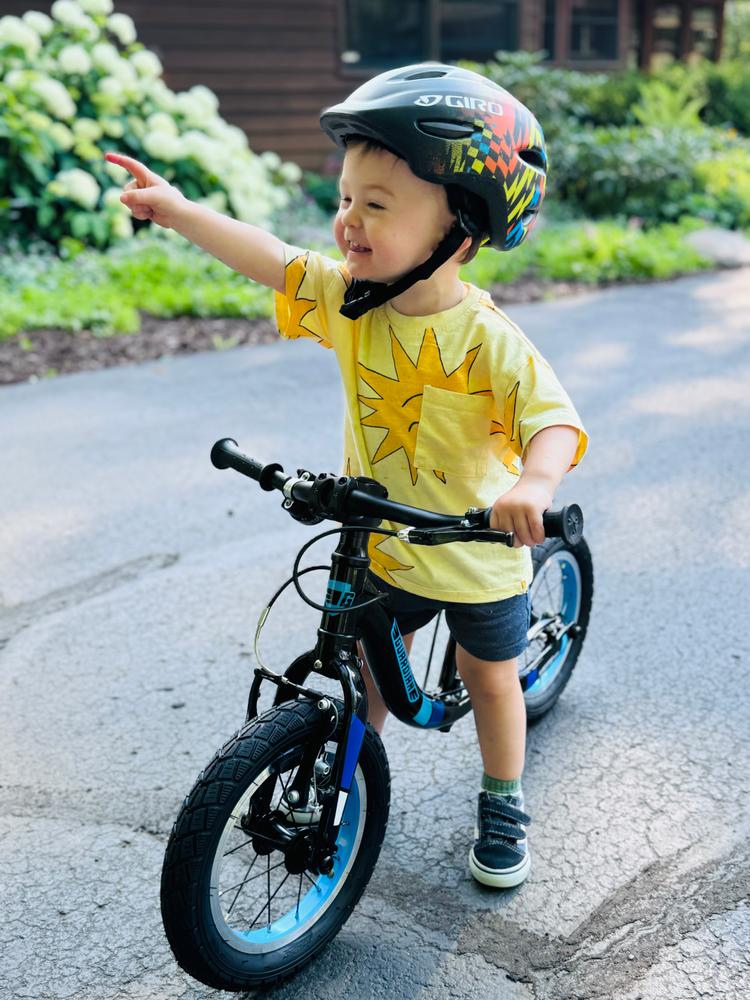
{"type": "Point", "coordinates": [457, 197]}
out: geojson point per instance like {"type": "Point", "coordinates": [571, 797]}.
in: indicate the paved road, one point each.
{"type": "Point", "coordinates": [131, 578]}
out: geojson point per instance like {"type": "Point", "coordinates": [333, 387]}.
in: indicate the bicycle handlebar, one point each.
{"type": "Point", "coordinates": [335, 497]}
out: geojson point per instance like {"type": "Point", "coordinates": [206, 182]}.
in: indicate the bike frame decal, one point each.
{"type": "Point", "coordinates": [339, 595]}
{"type": "Point", "coordinates": [430, 712]}
{"type": "Point", "coordinates": [411, 686]}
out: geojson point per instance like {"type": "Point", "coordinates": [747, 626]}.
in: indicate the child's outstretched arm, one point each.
{"type": "Point", "coordinates": [248, 249]}
{"type": "Point", "coordinates": [547, 458]}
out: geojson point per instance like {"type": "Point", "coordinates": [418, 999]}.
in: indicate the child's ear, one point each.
{"type": "Point", "coordinates": [458, 255]}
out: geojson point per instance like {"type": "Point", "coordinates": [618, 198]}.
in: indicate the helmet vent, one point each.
{"type": "Point", "coordinates": [426, 74]}
{"type": "Point", "coordinates": [447, 130]}
{"type": "Point", "coordinates": [534, 158]}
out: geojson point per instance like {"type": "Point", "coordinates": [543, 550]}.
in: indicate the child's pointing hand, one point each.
{"type": "Point", "coordinates": [149, 196]}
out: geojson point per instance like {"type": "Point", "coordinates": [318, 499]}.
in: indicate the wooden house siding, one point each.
{"type": "Point", "coordinates": [274, 67]}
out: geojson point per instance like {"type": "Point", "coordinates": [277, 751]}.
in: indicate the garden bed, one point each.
{"type": "Point", "coordinates": [45, 353]}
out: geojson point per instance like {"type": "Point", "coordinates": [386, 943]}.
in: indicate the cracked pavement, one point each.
{"type": "Point", "coordinates": [132, 575]}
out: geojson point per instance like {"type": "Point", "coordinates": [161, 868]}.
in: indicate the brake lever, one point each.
{"type": "Point", "coordinates": [460, 533]}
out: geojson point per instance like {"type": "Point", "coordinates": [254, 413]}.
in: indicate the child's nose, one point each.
{"type": "Point", "coordinates": [350, 216]}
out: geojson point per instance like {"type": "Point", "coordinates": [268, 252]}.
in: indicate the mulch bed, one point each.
{"type": "Point", "coordinates": [44, 353]}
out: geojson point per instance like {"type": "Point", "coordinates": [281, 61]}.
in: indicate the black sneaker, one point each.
{"type": "Point", "coordinates": [500, 857]}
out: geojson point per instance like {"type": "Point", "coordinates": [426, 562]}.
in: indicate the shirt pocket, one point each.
{"type": "Point", "coordinates": [454, 433]}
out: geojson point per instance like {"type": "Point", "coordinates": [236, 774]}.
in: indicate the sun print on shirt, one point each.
{"type": "Point", "coordinates": [396, 406]}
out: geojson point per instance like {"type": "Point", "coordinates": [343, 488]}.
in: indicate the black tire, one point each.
{"type": "Point", "coordinates": [199, 924]}
{"type": "Point", "coordinates": [574, 590]}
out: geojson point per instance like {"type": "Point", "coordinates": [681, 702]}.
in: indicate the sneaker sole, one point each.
{"type": "Point", "coordinates": [504, 879]}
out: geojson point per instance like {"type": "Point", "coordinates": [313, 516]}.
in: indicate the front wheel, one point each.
{"type": "Point", "coordinates": [238, 912]}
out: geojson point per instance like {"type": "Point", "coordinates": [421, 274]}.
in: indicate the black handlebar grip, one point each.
{"type": "Point", "coordinates": [225, 454]}
{"type": "Point", "coordinates": [566, 523]}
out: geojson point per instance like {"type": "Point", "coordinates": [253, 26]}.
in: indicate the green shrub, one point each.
{"type": "Point", "coordinates": [593, 252]}
{"type": "Point", "coordinates": [104, 292]}
{"type": "Point", "coordinates": [77, 84]}
{"type": "Point", "coordinates": [657, 174]}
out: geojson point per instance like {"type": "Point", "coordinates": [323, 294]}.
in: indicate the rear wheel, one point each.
{"type": "Point", "coordinates": [238, 910]}
{"type": "Point", "coordinates": [561, 593]}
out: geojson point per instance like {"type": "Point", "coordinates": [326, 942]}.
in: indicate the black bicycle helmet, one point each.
{"type": "Point", "coordinates": [454, 127]}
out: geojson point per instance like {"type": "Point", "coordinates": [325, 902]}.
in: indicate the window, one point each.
{"type": "Point", "coordinates": [593, 30]}
{"type": "Point", "coordinates": [472, 29]}
{"type": "Point", "coordinates": [703, 31]}
{"type": "Point", "coordinates": [383, 34]}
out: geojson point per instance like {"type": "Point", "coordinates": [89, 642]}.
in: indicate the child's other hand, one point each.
{"type": "Point", "coordinates": [149, 196]}
{"type": "Point", "coordinates": [520, 511]}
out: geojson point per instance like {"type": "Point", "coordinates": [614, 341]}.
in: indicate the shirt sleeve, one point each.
{"type": "Point", "coordinates": [533, 400]}
{"type": "Point", "coordinates": [314, 291]}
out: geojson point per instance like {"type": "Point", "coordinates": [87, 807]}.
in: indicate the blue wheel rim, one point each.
{"type": "Point", "coordinates": [568, 610]}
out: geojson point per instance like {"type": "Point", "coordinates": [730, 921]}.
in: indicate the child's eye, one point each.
{"type": "Point", "coordinates": [374, 204]}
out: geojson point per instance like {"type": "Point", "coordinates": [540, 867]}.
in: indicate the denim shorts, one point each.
{"type": "Point", "coordinates": [494, 631]}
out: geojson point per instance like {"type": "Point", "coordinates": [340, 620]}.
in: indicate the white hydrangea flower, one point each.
{"type": "Point", "coordinates": [205, 97]}
{"type": "Point", "coordinates": [111, 199]}
{"type": "Point", "coordinates": [18, 79]}
{"type": "Point", "coordinates": [121, 226]}
{"type": "Point", "coordinates": [160, 121]}
{"type": "Point", "coordinates": [216, 200]}
{"type": "Point", "coordinates": [163, 146]}
{"type": "Point", "coordinates": [70, 14]}
{"type": "Point", "coordinates": [62, 136]}
{"type": "Point", "coordinates": [105, 57]}
{"type": "Point", "coordinates": [112, 127]}
{"type": "Point", "coordinates": [112, 87]}
{"type": "Point", "coordinates": [14, 31]}
{"type": "Point", "coordinates": [40, 23]}
{"type": "Point", "coordinates": [56, 98]}
{"type": "Point", "coordinates": [122, 27]}
{"type": "Point", "coordinates": [200, 147]}
{"type": "Point", "coordinates": [291, 172]}
{"type": "Point", "coordinates": [78, 186]}
{"type": "Point", "coordinates": [37, 121]}
{"type": "Point", "coordinates": [272, 160]}
{"type": "Point", "coordinates": [195, 109]}
{"type": "Point", "coordinates": [162, 96]}
{"type": "Point", "coordinates": [74, 59]}
{"type": "Point", "coordinates": [87, 128]}
{"type": "Point", "coordinates": [146, 64]}
{"type": "Point", "coordinates": [96, 6]}
{"type": "Point", "coordinates": [124, 72]}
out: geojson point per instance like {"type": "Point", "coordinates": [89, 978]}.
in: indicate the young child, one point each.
{"type": "Point", "coordinates": [447, 403]}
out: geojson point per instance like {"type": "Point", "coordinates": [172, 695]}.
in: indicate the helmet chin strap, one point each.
{"type": "Point", "coordinates": [361, 296]}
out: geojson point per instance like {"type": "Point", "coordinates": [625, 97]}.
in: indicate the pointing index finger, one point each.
{"type": "Point", "coordinates": [141, 172]}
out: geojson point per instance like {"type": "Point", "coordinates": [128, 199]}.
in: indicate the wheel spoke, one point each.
{"type": "Point", "coordinates": [239, 887]}
{"type": "Point", "coordinates": [268, 904]}
{"type": "Point", "coordinates": [252, 877]}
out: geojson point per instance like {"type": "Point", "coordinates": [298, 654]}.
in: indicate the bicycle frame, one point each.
{"type": "Point", "coordinates": [335, 656]}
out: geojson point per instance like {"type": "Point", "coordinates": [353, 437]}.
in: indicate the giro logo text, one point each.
{"type": "Point", "coordinates": [459, 101]}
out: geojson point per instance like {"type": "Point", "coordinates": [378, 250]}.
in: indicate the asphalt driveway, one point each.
{"type": "Point", "coordinates": [131, 577]}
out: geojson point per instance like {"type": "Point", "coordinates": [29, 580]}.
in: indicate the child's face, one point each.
{"type": "Point", "coordinates": [389, 220]}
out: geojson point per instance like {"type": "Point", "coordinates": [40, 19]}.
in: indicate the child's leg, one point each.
{"type": "Point", "coordinates": [499, 712]}
{"type": "Point", "coordinates": [376, 710]}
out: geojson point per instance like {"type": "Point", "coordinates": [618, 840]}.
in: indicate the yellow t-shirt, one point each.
{"type": "Point", "coordinates": [439, 410]}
